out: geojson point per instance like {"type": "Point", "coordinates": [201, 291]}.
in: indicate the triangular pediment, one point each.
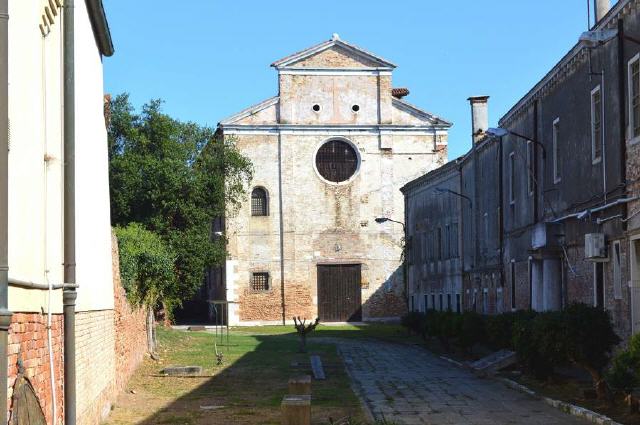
{"type": "Point", "coordinates": [265, 112]}
{"type": "Point", "coordinates": [333, 53]}
{"type": "Point", "coordinates": [405, 113]}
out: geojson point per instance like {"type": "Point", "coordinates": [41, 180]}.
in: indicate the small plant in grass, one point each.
{"type": "Point", "coordinates": [303, 329]}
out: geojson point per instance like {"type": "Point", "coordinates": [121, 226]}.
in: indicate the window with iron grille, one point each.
{"type": "Point", "coordinates": [259, 202]}
{"type": "Point", "coordinates": [260, 281]}
{"type": "Point", "coordinates": [596, 124]}
{"type": "Point", "coordinates": [336, 161]}
{"type": "Point", "coordinates": [634, 97]}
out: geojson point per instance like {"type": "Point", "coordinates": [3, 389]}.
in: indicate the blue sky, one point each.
{"type": "Point", "coordinates": [208, 59]}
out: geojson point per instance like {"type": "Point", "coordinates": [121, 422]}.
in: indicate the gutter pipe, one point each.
{"type": "Point", "coordinates": [69, 294]}
{"type": "Point", "coordinates": [5, 314]}
{"type": "Point", "coordinates": [584, 213]}
{"type": "Point", "coordinates": [27, 284]}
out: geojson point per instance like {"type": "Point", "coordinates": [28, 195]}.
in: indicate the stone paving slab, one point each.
{"type": "Point", "coordinates": [414, 387]}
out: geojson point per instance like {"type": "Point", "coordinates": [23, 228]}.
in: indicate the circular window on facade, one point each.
{"type": "Point", "coordinates": [336, 161]}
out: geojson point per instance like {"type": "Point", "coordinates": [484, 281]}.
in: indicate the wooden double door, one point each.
{"type": "Point", "coordinates": [339, 293]}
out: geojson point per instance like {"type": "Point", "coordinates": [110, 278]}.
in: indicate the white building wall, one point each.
{"type": "Point", "coordinates": [36, 162]}
{"type": "Point", "coordinates": [93, 220]}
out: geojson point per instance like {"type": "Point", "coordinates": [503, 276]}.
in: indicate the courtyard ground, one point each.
{"type": "Point", "coordinates": [246, 390]}
{"type": "Point", "coordinates": [399, 381]}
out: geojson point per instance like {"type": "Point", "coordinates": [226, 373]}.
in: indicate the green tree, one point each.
{"type": "Point", "coordinates": [174, 178]}
{"type": "Point", "coordinates": [146, 270]}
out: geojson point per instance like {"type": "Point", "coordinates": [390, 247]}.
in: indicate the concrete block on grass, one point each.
{"type": "Point", "coordinates": [182, 370]}
{"type": "Point", "coordinates": [300, 385]}
{"type": "Point", "coordinates": [296, 410]}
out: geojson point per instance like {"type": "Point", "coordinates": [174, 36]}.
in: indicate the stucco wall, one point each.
{"type": "Point", "coordinates": [93, 220]}
{"type": "Point", "coordinates": [36, 162]}
{"type": "Point", "coordinates": [35, 93]}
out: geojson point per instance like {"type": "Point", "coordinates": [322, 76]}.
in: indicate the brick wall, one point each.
{"type": "Point", "coordinates": [267, 305]}
{"type": "Point", "coordinates": [131, 328]}
{"type": "Point", "coordinates": [580, 287]}
{"type": "Point", "coordinates": [28, 341]}
{"type": "Point", "coordinates": [110, 344]}
{"type": "Point", "coordinates": [385, 305]}
{"type": "Point", "coordinates": [105, 358]}
{"type": "Point", "coordinates": [95, 364]}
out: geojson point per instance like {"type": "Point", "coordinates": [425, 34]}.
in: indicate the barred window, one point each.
{"type": "Point", "coordinates": [260, 281]}
{"type": "Point", "coordinates": [336, 161]}
{"type": "Point", "coordinates": [634, 97]}
{"type": "Point", "coordinates": [596, 124]}
{"type": "Point", "coordinates": [259, 202]}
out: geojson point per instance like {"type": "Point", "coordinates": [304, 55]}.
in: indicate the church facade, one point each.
{"type": "Point", "coordinates": [330, 153]}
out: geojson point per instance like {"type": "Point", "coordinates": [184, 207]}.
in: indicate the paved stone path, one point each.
{"type": "Point", "coordinates": [412, 386]}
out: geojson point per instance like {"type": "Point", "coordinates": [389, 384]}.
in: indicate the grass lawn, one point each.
{"type": "Point", "coordinates": [248, 388]}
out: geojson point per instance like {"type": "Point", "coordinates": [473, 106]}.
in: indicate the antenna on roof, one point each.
{"type": "Point", "coordinates": [335, 36]}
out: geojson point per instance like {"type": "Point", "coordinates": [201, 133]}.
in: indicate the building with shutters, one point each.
{"type": "Point", "coordinates": [330, 152]}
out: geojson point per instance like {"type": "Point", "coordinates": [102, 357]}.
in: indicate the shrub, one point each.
{"type": "Point", "coordinates": [413, 321]}
{"type": "Point", "coordinates": [624, 374]}
{"type": "Point", "coordinates": [471, 328]}
{"type": "Point", "coordinates": [440, 326]}
{"type": "Point", "coordinates": [536, 343]}
{"type": "Point", "coordinates": [500, 328]}
{"type": "Point", "coordinates": [146, 266]}
{"type": "Point", "coordinates": [589, 339]}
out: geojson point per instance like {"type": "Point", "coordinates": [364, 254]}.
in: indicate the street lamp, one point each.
{"type": "Point", "coordinates": [405, 263]}
{"type": "Point", "coordinates": [444, 190]}
{"type": "Point", "coordinates": [381, 220]}
{"type": "Point", "coordinates": [501, 132]}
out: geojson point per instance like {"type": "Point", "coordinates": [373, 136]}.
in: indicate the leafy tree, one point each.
{"type": "Point", "coordinates": [174, 178]}
{"type": "Point", "coordinates": [146, 270]}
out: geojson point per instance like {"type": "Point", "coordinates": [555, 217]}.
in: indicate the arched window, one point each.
{"type": "Point", "coordinates": [259, 202]}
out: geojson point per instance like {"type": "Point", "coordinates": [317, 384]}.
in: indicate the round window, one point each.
{"type": "Point", "coordinates": [336, 161]}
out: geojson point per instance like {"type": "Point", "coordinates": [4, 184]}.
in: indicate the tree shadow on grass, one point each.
{"type": "Point", "coordinates": [248, 389]}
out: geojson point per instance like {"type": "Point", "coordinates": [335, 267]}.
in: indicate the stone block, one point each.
{"type": "Point", "coordinates": [296, 410]}
{"type": "Point", "coordinates": [300, 385]}
{"type": "Point", "coordinates": [182, 370]}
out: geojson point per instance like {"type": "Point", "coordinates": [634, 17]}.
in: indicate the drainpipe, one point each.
{"type": "Point", "coordinates": [69, 294]}
{"type": "Point", "coordinates": [501, 211]}
{"type": "Point", "coordinates": [536, 189]}
{"type": "Point", "coordinates": [5, 314]}
{"type": "Point", "coordinates": [623, 109]}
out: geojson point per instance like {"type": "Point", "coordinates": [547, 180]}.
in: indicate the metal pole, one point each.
{"type": "Point", "coordinates": [281, 217]}
{"type": "Point", "coordinates": [5, 314]}
{"type": "Point", "coordinates": [69, 295]}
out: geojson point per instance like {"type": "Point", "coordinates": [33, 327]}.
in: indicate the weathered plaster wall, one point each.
{"type": "Point", "coordinates": [325, 223]}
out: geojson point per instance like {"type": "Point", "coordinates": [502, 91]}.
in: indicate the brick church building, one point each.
{"type": "Point", "coordinates": [330, 152]}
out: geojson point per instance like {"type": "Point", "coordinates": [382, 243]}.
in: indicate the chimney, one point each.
{"type": "Point", "coordinates": [601, 7]}
{"type": "Point", "coordinates": [479, 116]}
